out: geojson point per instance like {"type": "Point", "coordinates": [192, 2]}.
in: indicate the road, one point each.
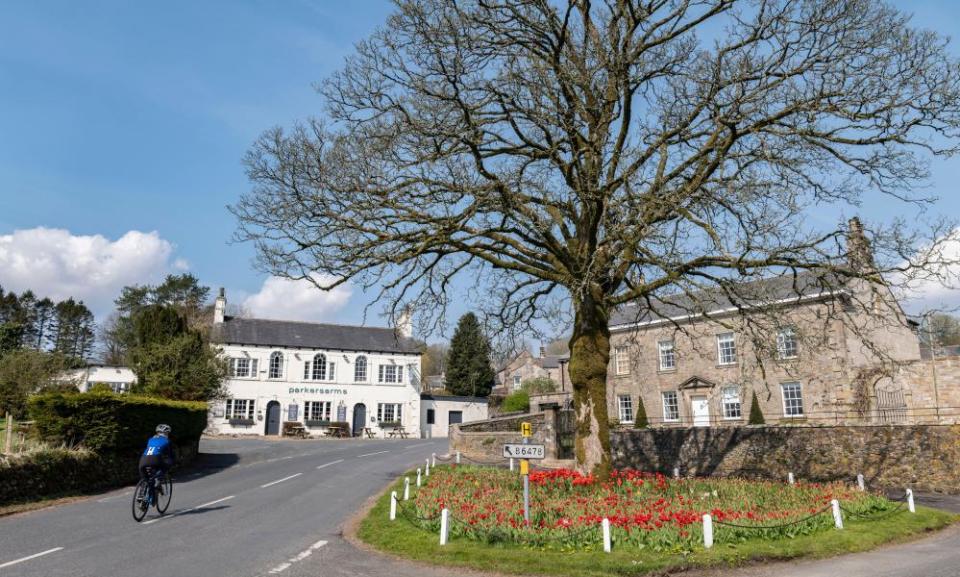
{"type": "Point", "coordinates": [257, 507]}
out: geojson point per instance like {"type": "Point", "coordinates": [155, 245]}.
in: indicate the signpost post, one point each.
{"type": "Point", "coordinates": [525, 430]}
{"type": "Point", "coordinates": [525, 452]}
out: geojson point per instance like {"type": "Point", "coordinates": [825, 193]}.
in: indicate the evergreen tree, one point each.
{"type": "Point", "coordinates": [172, 360]}
{"type": "Point", "coordinates": [469, 371]}
{"type": "Point", "coordinates": [640, 420]}
{"type": "Point", "coordinates": [756, 415]}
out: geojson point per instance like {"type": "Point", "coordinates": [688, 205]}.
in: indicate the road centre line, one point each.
{"type": "Point", "coordinates": [331, 463]}
{"type": "Point", "coordinates": [300, 557]}
{"type": "Point", "coordinates": [189, 510]}
{"type": "Point", "coordinates": [415, 446]}
{"type": "Point", "coordinates": [372, 454]}
{"type": "Point", "coordinates": [29, 557]}
{"type": "Point", "coordinates": [265, 485]}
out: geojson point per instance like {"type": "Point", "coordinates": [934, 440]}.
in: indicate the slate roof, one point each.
{"type": "Point", "coordinates": [753, 293]}
{"type": "Point", "coordinates": [271, 333]}
{"type": "Point", "coordinates": [552, 361]}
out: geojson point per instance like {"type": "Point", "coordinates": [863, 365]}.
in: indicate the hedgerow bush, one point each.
{"type": "Point", "coordinates": [518, 401]}
{"type": "Point", "coordinates": [113, 424]}
{"type": "Point", "coordinates": [59, 471]}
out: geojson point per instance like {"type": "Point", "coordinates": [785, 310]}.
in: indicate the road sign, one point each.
{"type": "Point", "coordinates": [524, 451]}
{"type": "Point", "coordinates": [525, 429]}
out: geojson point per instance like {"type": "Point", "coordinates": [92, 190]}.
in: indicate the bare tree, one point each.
{"type": "Point", "coordinates": [584, 155]}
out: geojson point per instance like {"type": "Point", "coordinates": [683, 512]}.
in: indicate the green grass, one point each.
{"type": "Point", "coordinates": [405, 540]}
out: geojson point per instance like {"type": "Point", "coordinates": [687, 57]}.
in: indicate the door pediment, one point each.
{"type": "Point", "coordinates": [697, 383]}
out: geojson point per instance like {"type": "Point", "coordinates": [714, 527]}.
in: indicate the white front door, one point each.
{"type": "Point", "coordinates": [701, 411]}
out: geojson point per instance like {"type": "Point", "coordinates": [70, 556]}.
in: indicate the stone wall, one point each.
{"type": "Point", "coordinates": [924, 457]}
{"type": "Point", "coordinates": [484, 440]}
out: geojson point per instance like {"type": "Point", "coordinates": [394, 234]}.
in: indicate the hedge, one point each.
{"type": "Point", "coordinates": [113, 424]}
{"type": "Point", "coordinates": [518, 401]}
{"type": "Point", "coordinates": [54, 472]}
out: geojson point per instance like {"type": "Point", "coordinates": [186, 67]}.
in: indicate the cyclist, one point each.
{"type": "Point", "coordinates": [158, 455]}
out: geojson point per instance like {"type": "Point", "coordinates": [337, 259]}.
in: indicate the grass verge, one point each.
{"type": "Point", "coordinates": [405, 540]}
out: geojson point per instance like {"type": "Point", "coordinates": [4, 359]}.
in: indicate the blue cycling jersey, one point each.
{"type": "Point", "coordinates": [158, 445]}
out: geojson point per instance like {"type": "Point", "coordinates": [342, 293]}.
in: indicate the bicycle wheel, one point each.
{"type": "Point", "coordinates": [164, 494]}
{"type": "Point", "coordinates": [140, 502]}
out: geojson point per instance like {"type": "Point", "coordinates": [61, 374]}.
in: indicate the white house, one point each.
{"type": "Point", "coordinates": [438, 412]}
{"type": "Point", "coordinates": [120, 379]}
{"type": "Point", "coordinates": [315, 374]}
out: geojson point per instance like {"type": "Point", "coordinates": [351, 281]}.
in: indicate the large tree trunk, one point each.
{"type": "Point", "coordinates": [589, 355]}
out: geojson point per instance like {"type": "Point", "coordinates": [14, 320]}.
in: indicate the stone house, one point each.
{"type": "Point", "coordinates": [815, 350]}
{"type": "Point", "coordinates": [525, 366]}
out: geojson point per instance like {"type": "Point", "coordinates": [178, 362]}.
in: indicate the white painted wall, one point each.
{"type": "Point", "coordinates": [472, 411]}
{"type": "Point", "coordinates": [119, 378]}
{"type": "Point", "coordinates": [341, 391]}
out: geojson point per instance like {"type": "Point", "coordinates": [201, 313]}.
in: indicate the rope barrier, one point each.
{"type": "Point", "coordinates": [764, 527]}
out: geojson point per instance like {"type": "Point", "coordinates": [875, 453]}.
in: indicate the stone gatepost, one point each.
{"type": "Point", "coordinates": [550, 411]}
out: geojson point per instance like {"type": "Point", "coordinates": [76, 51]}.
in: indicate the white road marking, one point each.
{"type": "Point", "coordinates": [264, 486]}
{"type": "Point", "coordinates": [372, 454]}
{"type": "Point", "coordinates": [29, 557]}
{"type": "Point", "coordinates": [415, 446]}
{"type": "Point", "coordinates": [330, 463]}
{"type": "Point", "coordinates": [300, 557]}
{"type": "Point", "coordinates": [188, 510]}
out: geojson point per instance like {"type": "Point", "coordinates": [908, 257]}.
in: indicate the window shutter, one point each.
{"type": "Point", "coordinates": [306, 371]}
{"type": "Point", "coordinates": [253, 368]}
{"type": "Point", "coordinates": [331, 371]}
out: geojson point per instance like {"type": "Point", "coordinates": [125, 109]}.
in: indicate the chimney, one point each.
{"type": "Point", "coordinates": [859, 254]}
{"type": "Point", "coordinates": [543, 351]}
{"type": "Point", "coordinates": [405, 323]}
{"type": "Point", "coordinates": [220, 307]}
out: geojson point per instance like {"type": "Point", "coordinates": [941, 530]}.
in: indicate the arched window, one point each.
{"type": "Point", "coordinates": [319, 367]}
{"type": "Point", "coordinates": [276, 365]}
{"type": "Point", "coordinates": [360, 369]}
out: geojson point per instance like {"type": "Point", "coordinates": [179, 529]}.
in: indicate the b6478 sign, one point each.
{"type": "Point", "coordinates": [524, 452]}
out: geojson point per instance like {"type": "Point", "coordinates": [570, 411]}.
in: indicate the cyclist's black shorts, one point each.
{"type": "Point", "coordinates": [155, 462]}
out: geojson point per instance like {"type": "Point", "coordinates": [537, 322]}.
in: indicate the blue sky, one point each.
{"type": "Point", "coordinates": [134, 116]}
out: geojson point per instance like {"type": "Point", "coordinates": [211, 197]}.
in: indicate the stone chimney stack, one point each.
{"type": "Point", "coordinates": [859, 253]}
{"type": "Point", "coordinates": [543, 351]}
{"type": "Point", "coordinates": [220, 307]}
{"type": "Point", "coordinates": [405, 324]}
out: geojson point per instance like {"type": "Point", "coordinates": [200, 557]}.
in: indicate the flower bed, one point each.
{"type": "Point", "coordinates": [645, 511]}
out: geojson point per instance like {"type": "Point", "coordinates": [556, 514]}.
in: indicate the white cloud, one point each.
{"type": "Point", "coordinates": [938, 289]}
{"type": "Point", "coordinates": [296, 300]}
{"type": "Point", "coordinates": [57, 264]}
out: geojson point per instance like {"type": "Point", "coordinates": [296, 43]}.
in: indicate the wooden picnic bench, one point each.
{"type": "Point", "coordinates": [398, 432]}
{"type": "Point", "coordinates": [369, 433]}
{"type": "Point", "coordinates": [337, 431]}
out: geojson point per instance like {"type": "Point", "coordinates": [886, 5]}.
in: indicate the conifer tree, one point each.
{"type": "Point", "coordinates": [469, 371]}
{"type": "Point", "coordinates": [640, 420]}
{"type": "Point", "coordinates": [756, 415]}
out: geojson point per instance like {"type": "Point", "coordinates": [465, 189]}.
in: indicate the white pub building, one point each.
{"type": "Point", "coordinates": [315, 374]}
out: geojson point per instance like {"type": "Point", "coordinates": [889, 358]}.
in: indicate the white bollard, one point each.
{"type": "Point", "coordinates": [606, 535]}
{"type": "Point", "coordinates": [910, 506]}
{"type": "Point", "coordinates": [433, 457]}
{"type": "Point", "coordinates": [511, 463]}
{"type": "Point", "coordinates": [406, 489]}
{"type": "Point", "coordinates": [418, 477]}
{"type": "Point", "coordinates": [444, 525]}
{"type": "Point", "coordinates": [837, 517]}
{"type": "Point", "coordinates": [860, 484]}
{"type": "Point", "coordinates": [458, 457]}
{"type": "Point", "coordinates": [790, 478]}
{"type": "Point", "coordinates": [427, 472]}
{"type": "Point", "coordinates": [676, 472]}
{"type": "Point", "coordinates": [393, 505]}
{"type": "Point", "coordinates": [707, 531]}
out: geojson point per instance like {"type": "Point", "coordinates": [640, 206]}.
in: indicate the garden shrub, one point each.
{"type": "Point", "coordinates": [756, 415]}
{"type": "Point", "coordinates": [113, 424]}
{"type": "Point", "coordinates": [640, 420]}
{"type": "Point", "coordinates": [518, 401]}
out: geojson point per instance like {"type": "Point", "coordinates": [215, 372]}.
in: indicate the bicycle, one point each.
{"type": "Point", "coordinates": [153, 490]}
